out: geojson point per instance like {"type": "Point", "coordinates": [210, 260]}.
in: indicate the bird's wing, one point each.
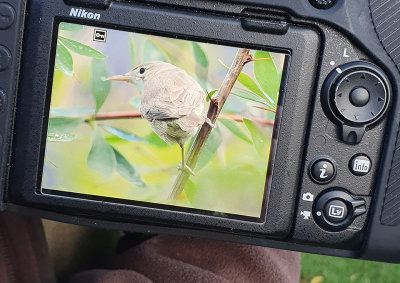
{"type": "Point", "coordinates": [175, 96]}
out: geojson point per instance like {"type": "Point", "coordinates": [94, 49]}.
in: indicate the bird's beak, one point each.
{"type": "Point", "coordinates": [120, 78]}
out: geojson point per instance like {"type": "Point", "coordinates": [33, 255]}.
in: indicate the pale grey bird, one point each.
{"type": "Point", "coordinates": [172, 101]}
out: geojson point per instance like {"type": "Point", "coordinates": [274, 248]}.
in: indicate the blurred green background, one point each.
{"type": "Point", "coordinates": [327, 269]}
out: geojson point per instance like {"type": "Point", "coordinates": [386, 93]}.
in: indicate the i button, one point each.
{"type": "Point", "coordinates": [322, 170]}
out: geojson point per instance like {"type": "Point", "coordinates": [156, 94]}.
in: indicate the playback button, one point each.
{"type": "Point", "coordinates": [7, 16]}
{"type": "Point", "coordinates": [5, 58]}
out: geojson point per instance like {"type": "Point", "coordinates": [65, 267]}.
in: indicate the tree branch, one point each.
{"type": "Point", "coordinates": [131, 115]}
{"type": "Point", "coordinates": [242, 57]}
{"type": "Point", "coordinates": [117, 115]}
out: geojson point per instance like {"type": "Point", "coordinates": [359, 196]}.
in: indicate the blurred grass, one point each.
{"type": "Point", "coordinates": [326, 269]}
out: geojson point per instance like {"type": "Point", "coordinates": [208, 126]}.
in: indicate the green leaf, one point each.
{"type": "Point", "coordinates": [99, 86]}
{"type": "Point", "coordinates": [200, 56]}
{"type": "Point", "coordinates": [210, 94]}
{"type": "Point", "coordinates": [248, 82]}
{"type": "Point", "coordinates": [64, 60]}
{"type": "Point", "coordinates": [259, 139]}
{"type": "Point", "coordinates": [101, 158]}
{"type": "Point", "coordinates": [121, 133]}
{"type": "Point", "coordinates": [201, 67]}
{"type": "Point", "coordinates": [61, 128]}
{"type": "Point", "coordinates": [151, 52]}
{"type": "Point", "coordinates": [267, 75]}
{"type": "Point", "coordinates": [81, 49]}
{"type": "Point", "coordinates": [190, 191]}
{"type": "Point", "coordinates": [132, 50]}
{"type": "Point", "coordinates": [70, 27]}
{"type": "Point", "coordinates": [156, 140]}
{"type": "Point", "coordinates": [210, 148]}
{"type": "Point", "coordinates": [250, 96]}
{"type": "Point", "coordinates": [71, 112]}
{"type": "Point", "coordinates": [63, 124]}
{"type": "Point", "coordinates": [127, 170]}
{"type": "Point", "coordinates": [234, 128]}
{"type": "Point", "coordinates": [60, 138]}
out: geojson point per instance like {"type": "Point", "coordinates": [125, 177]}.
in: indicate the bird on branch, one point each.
{"type": "Point", "coordinates": [172, 101]}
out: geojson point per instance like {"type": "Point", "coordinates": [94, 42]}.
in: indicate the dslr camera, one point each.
{"type": "Point", "coordinates": [272, 123]}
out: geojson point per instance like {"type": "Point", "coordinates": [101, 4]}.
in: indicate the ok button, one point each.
{"type": "Point", "coordinates": [322, 170]}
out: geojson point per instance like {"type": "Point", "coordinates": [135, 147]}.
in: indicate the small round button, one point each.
{"type": "Point", "coordinates": [360, 164]}
{"type": "Point", "coordinates": [7, 16]}
{"type": "Point", "coordinates": [359, 96]}
{"type": "Point", "coordinates": [5, 58]}
{"type": "Point", "coordinates": [336, 211]}
{"type": "Point", "coordinates": [322, 170]}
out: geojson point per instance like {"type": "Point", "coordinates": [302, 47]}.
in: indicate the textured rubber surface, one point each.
{"type": "Point", "coordinates": [391, 206]}
{"type": "Point", "coordinates": [386, 18]}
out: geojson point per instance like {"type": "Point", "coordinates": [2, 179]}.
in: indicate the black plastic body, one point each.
{"type": "Point", "coordinates": [317, 42]}
{"type": "Point", "coordinates": [279, 212]}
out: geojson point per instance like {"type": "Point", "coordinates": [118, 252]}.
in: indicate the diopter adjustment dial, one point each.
{"type": "Point", "coordinates": [354, 96]}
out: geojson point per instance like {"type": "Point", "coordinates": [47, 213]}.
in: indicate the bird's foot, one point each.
{"type": "Point", "coordinates": [187, 169]}
{"type": "Point", "coordinates": [208, 122]}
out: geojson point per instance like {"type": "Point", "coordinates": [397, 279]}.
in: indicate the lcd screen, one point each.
{"type": "Point", "coordinates": [126, 109]}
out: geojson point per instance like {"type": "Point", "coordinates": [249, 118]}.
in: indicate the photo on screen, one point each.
{"type": "Point", "coordinates": [126, 109]}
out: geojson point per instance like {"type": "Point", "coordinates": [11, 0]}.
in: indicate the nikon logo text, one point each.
{"type": "Point", "coordinates": [79, 13]}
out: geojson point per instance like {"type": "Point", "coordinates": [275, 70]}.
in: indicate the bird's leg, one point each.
{"type": "Point", "coordinates": [184, 166]}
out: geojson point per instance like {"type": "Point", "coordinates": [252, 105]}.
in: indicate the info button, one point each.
{"type": "Point", "coordinates": [360, 164]}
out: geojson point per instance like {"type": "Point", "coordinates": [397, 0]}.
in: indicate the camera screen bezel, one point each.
{"type": "Point", "coordinates": [301, 42]}
{"type": "Point", "coordinates": [46, 191]}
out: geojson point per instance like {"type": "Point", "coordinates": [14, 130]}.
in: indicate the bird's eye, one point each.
{"type": "Point", "coordinates": [142, 70]}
